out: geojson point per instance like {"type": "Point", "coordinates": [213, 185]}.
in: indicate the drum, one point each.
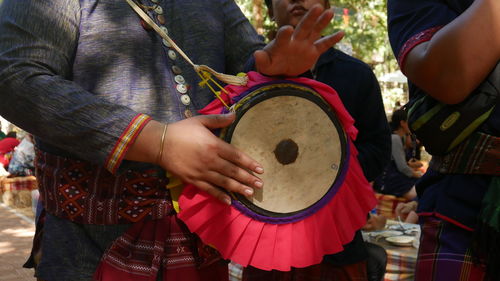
{"type": "Point", "coordinates": [295, 135]}
{"type": "Point", "coordinates": [315, 196]}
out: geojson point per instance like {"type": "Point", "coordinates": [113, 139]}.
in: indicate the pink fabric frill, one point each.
{"type": "Point", "coordinates": [267, 246]}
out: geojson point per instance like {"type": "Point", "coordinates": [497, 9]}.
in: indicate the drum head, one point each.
{"type": "Point", "coordinates": [297, 138]}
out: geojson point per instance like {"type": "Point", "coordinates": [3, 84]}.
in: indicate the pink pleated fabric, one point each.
{"type": "Point", "coordinates": [302, 243]}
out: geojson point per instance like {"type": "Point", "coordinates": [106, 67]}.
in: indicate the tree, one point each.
{"type": "Point", "coordinates": [256, 12]}
{"type": "Point", "coordinates": [365, 25]}
{"type": "Point", "coordinates": [366, 31]}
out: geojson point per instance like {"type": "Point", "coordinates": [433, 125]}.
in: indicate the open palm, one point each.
{"type": "Point", "coordinates": [296, 50]}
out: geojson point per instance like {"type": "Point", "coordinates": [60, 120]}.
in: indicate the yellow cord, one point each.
{"type": "Point", "coordinates": [206, 78]}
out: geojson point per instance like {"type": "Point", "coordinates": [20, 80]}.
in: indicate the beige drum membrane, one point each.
{"type": "Point", "coordinates": [299, 147]}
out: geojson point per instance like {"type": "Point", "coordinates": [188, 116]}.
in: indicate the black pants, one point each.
{"type": "Point", "coordinates": [376, 263]}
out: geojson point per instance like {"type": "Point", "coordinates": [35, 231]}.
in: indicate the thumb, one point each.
{"type": "Point", "coordinates": [216, 121]}
{"type": "Point", "coordinates": [262, 61]}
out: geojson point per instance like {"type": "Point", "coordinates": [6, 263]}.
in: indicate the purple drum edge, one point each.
{"type": "Point", "coordinates": [300, 215]}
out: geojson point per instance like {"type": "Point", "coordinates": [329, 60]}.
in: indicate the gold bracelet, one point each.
{"type": "Point", "coordinates": [162, 142]}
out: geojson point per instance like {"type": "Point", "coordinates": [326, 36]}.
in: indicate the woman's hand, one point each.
{"type": "Point", "coordinates": [415, 164]}
{"type": "Point", "coordinates": [404, 209]}
{"type": "Point", "coordinates": [194, 154]}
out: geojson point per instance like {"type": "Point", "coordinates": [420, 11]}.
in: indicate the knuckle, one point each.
{"type": "Point", "coordinates": [207, 158]}
{"type": "Point", "coordinates": [221, 196]}
{"type": "Point", "coordinates": [212, 146]}
{"type": "Point", "coordinates": [214, 118]}
{"type": "Point", "coordinates": [226, 183]}
{"type": "Point", "coordinates": [234, 171]}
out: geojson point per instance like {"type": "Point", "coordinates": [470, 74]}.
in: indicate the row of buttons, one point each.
{"type": "Point", "coordinates": [181, 86]}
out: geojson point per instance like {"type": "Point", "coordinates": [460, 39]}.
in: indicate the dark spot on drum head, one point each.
{"type": "Point", "coordinates": [286, 151]}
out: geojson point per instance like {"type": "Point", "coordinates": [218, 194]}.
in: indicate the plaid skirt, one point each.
{"type": "Point", "coordinates": [445, 253]}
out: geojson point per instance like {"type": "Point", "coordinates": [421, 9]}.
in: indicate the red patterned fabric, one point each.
{"type": "Point", "coordinates": [19, 183]}
{"type": "Point", "coordinates": [148, 246]}
{"type": "Point", "coordinates": [419, 38]}
{"type": "Point", "coordinates": [128, 136]}
{"type": "Point", "coordinates": [156, 241]}
{"type": "Point", "coordinates": [89, 194]}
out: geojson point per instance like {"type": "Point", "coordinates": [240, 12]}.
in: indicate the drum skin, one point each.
{"type": "Point", "coordinates": [295, 136]}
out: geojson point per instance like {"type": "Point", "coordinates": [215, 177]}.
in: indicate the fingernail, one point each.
{"type": "Point", "coordinates": [259, 170]}
{"type": "Point", "coordinates": [258, 184]}
{"type": "Point", "coordinates": [248, 191]}
{"type": "Point", "coordinates": [227, 200]}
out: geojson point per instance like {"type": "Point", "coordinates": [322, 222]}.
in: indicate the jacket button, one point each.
{"type": "Point", "coordinates": [181, 88]}
{"type": "Point", "coordinates": [179, 79]}
{"type": "Point", "coordinates": [176, 70]}
{"type": "Point", "coordinates": [186, 100]}
{"type": "Point", "coordinates": [172, 55]}
{"type": "Point", "coordinates": [159, 10]}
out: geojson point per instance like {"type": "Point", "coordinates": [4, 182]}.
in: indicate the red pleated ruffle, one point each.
{"type": "Point", "coordinates": [267, 246]}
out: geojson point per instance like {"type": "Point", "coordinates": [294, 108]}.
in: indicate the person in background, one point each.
{"type": "Point", "coordinates": [3, 171]}
{"type": "Point", "coordinates": [406, 212]}
{"type": "Point", "coordinates": [2, 134]}
{"type": "Point", "coordinates": [400, 176]}
{"type": "Point", "coordinates": [359, 91]}
{"type": "Point", "coordinates": [377, 256]}
{"type": "Point", "coordinates": [113, 107]}
{"type": "Point", "coordinates": [447, 48]}
{"type": "Point", "coordinates": [7, 146]}
{"type": "Point", "coordinates": [23, 159]}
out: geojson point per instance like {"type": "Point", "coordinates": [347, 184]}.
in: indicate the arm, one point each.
{"type": "Point", "coordinates": [190, 150]}
{"type": "Point", "coordinates": [38, 40]}
{"type": "Point", "coordinates": [399, 157]}
{"type": "Point", "coordinates": [459, 56]}
{"type": "Point", "coordinates": [37, 44]}
{"type": "Point", "coordinates": [194, 154]}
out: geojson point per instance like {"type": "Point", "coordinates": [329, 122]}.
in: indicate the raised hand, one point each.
{"type": "Point", "coordinates": [296, 50]}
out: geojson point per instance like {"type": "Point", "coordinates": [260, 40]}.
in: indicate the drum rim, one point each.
{"type": "Point", "coordinates": [244, 102]}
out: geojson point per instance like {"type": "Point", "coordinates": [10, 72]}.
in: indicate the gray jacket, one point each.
{"type": "Point", "coordinates": [75, 73]}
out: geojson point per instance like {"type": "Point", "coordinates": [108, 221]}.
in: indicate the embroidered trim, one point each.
{"type": "Point", "coordinates": [89, 194]}
{"type": "Point", "coordinates": [415, 40]}
{"type": "Point", "coordinates": [123, 143]}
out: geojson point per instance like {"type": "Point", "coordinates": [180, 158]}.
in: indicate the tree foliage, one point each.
{"type": "Point", "coordinates": [365, 25]}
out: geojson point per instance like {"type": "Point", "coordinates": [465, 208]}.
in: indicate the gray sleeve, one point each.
{"type": "Point", "coordinates": [38, 40]}
{"type": "Point", "coordinates": [240, 38]}
{"type": "Point", "coordinates": [398, 154]}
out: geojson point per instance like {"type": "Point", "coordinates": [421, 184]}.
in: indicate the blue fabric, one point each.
{"type": "Point", "coordinates": [393, 182]}
{"type": "Point", "coordinates": [359, 91]}
{"type": "Point", "coordinates": [406, 18]}
{"type": "Point", "coordinates": [75, 249]}
{"type": "Point", "coordinates": [397, 176]}
{"type": "Point", "coordinates": [457, 197]}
